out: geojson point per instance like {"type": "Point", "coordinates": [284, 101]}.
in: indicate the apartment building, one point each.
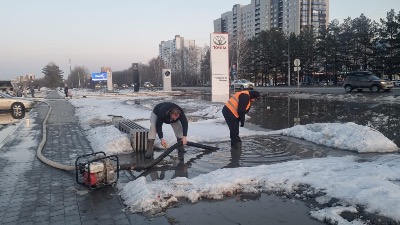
{"type": "Point", "coordinates": [291, 16]}
{"type": "Point", "coordinates": [168, 48]}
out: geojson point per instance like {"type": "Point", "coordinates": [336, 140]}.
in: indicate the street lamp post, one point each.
{"type": "Point", "coordinates": [297, 68]}
{"type": "Point", "coordinates": [288, 61]}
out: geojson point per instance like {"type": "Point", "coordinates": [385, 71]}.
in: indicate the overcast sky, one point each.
{"type": "Point", "coordinates": [96, 33]}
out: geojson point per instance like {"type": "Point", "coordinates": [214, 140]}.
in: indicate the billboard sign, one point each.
{"type": "Point", "coordinates": [219, 60]}
{"type": "Point", "coordinates": [99, 76]}
{"type": "Point", "coordinates": [167, 79]}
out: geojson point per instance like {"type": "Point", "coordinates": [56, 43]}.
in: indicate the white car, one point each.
{"type": "Point", "coordinates": [242, 84]}
{"type": "Point", "coordinates": [16, 104]}
{"type": "Point", "coordinates": [148, 85]}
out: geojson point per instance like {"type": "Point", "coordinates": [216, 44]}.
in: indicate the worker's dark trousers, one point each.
{"type": "Point", "coordinates": [233, 124]}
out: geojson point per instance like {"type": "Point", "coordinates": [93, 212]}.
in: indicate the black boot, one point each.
{"type": "Point", "coordinates": [181, 157]}
{"type": "Point", "coordinates": [236, 145]}
{"type": "Point", "coordinates": [180, 148]}
{"type": "Point", "coordinates": [149, 150]}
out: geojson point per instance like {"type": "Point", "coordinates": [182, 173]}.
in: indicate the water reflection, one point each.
{"type": "Point", "coordinates": [281, 112]}
{"type": "Point", "coordinates": [11, 117]}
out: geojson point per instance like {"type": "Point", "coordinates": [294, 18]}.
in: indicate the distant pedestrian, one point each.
{"type": "Point", "coordinates": [66, 90]}
{"type": "Point", "coordinates": [32, 91]}
{"type": "Point", "coordinates": [234, 113]}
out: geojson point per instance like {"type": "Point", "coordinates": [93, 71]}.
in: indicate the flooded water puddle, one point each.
{"type": "Point", "coordinates": [255, 151]}
{"type": "Point", "coordinates": [271, 113]}
{"type": "Point", "coordinates": [277, 113]}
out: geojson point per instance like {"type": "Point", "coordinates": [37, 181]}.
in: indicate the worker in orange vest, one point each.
{"type": "Point", "coordinates": [234, 112]}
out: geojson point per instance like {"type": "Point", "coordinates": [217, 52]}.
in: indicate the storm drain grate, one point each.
{"type": "Point", "coordinates": [137, 134]}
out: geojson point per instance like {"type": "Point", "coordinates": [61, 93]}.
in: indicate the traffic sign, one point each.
{"type": "Point", "coordinates": [297, 62]}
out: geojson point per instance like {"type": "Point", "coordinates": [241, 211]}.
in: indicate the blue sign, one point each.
{"type": "Point", "coordinates": [99, 76]}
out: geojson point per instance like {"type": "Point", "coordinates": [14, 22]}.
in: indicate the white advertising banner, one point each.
{"type": "Point", "coordinates": [219, 60]}
{"type": "Point", "coordinates": [166, 74]}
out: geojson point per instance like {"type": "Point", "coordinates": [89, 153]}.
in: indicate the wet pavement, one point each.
{"type": "Point", "coordinates": [35, 193]}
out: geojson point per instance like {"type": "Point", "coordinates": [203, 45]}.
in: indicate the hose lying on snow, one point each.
{"type": "Point", "coordinates": [143, 166]}
{"type": "Point", "coordinates": [137, 167]}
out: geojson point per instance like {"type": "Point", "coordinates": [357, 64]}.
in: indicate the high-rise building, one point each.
{"type": "Point", "coordinates": [168, 48]}
{"type": "Point", "coordinates": [291, 16]}
{"type": "Point", "coordinates": [182, 57]}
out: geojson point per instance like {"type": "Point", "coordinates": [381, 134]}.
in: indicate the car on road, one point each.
{"type": "Point", "coordinates": [361, 80]}
{"type": "Point", "coordinates": [396, 83]}
{"type": "Point", "coordinates": [148, 85]}
{"type": "Point", "coordinates": [16, 104]}
{"type": "Point", "coordinates": [10, 87]}
{"type": "Point", "coordinates": [242, 84]}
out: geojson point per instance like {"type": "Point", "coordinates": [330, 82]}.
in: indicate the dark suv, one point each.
{"type": "Point", "coordinates": [366, 79]}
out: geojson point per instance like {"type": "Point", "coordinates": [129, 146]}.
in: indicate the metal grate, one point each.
{"type": "Point", "coordinates": [137, 134]}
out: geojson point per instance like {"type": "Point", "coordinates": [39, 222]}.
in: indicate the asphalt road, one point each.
{"type": "Point", "coordinates": [302, 89]}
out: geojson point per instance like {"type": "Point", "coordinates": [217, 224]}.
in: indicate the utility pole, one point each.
{"type": "Point", "coordinates": [288, 61]}
{"type": "Point", "coordinates": [69, 66]}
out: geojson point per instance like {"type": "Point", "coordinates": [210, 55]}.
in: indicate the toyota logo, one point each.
{"type": "Point", "coordinates": [219, 40]}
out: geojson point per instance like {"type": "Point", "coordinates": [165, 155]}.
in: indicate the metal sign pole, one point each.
{"type": "Point", "coordinates": [297, 67]}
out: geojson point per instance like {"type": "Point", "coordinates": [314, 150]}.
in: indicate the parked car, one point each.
{"type": "Point", "coordinates": [16, 104]}
{"type": "Point", "coordinates": [124, 85]}
{"type": "Point", "coordinates": [365, 79]}
{"type": "Point", "coordinates": [10, 87]}
{"type": "Point", "coordinates": [242, 84]}
{"type": "Point", "coordinates": [148, 85]}
{"type": "Point", "coordinates": [396, 83]}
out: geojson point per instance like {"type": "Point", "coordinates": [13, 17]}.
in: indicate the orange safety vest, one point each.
{"type": "Point", "coordinates": [233, 103]}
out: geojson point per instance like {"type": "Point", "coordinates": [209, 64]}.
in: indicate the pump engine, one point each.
{"type": "Point", "coordinates": [97, 169]}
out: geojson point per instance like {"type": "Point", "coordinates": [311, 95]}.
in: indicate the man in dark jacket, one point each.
{"type": "Point", "coordinates": [234, 112]}
{"type": "Point", "coordinates": [169, 113]}
{"type": "Point", "coordinates": [66, 91]}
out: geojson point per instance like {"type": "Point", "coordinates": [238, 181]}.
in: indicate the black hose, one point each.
{"type": "Point", "coordinates": [143, 166]}
{"type": "Point", "coordinates": [206, 147]}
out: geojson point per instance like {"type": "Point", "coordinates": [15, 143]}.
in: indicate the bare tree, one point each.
{"type": "Point", "coordinates": [79, 77]}
{"type": "Point", "coordinates": [205, 70]}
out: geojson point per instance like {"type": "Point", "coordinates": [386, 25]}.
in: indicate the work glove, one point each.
{"type": "Point", "coordinates": [241, 124]}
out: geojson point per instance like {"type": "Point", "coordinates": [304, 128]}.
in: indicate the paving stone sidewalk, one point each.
{"type": "Point", "coordinates": [32, 192]}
